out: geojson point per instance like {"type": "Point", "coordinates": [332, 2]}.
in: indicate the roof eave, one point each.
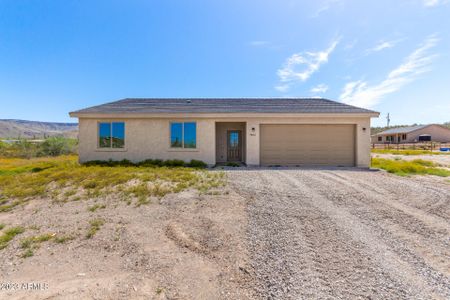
{"type": "Point", "coordinates": [78, 114]}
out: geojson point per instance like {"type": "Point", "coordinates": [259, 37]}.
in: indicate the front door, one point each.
{"type": "Point", "coordinates": [234, 145]}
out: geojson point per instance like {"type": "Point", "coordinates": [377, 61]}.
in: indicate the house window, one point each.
{"type": "Point", "coordinates": [183, 135]}
{"type": "Point", "coordinates": [380, 138]}
{"type": "Point", "coordinates": [403, 136]}
{"type": "Point", "coordinates": [111, 135]}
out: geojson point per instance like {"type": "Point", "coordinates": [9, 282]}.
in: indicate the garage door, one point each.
{"type": "Point", "coordinates": [308, 145]}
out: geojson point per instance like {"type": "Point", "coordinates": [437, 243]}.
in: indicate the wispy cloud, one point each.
{"type": "Point", "coordinates": [259, 43]}
{"type": "Point", "coordinates": [351, 45]}
{"type": "Point", "coordinates": [300, 66]}
{"type": "Point", "coordinates": [264, 45]}
{"type": "Point", "coordinates": [360, 93]}
{"type": "Point", "coordinates": [432, 3]}
{"type": "Point", "coordinates": [324, 6]}
{"type": "Point", "coordinates": [382, 45]}
{"type": "Point", "coordinates": [320, 88]}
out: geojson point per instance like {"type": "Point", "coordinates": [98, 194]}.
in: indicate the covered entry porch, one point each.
{"type": "Point", "coordinates": [231, 142]}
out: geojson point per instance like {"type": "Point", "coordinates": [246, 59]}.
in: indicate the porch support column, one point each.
{"type": "Point", "coordinates": [253, 136]}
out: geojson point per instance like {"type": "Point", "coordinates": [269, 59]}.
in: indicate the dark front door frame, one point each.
{"type": "Point", "coordinates": [234, 152]}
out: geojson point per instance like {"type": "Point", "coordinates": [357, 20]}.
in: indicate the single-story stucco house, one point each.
{"type": "Point", "coordinates": [253, 131]}
{"type": "Point", "coordinates": [413, 134]}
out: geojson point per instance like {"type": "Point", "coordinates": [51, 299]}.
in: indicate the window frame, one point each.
{"type": "Point", "coordinates": [110, 147]}
{"type": "Point", "coordinates": [182, 148]}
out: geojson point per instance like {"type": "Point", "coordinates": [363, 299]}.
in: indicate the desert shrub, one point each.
{"type": "Point", "coordinates": [55, 146]}
{"type": "Point", "coordinates": [197, 164]}
{"type": "Point", "coordinates": [152, 163]}
{"type": "Point", "coordinates": [110, 163]}
{"type": "Point", "coordinates": [174, 163]}
{"type": "Point", "coordinates": [21, 148]}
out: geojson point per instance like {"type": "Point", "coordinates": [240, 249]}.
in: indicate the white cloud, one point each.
{"type": "Point", "coordinates": [300, 66]}
{"type": "Point", "coordinates": [321, 88]}
{"type": "Point", "coordinates": [432, 3]}
{"type": "Point", "coordinates": [360, 93]}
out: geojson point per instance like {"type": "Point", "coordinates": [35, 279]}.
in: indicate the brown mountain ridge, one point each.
{"type": "Point", "coordinates": [13, 129]}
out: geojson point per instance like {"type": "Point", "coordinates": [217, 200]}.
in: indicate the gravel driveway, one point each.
{"type": "Point", "coordinates": [346, 234]}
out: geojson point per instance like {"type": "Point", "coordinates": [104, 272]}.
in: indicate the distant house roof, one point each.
{"type": "Point", "coordinates": [222, 105]}
{"type": "Point", "coordinates": [401, 130]}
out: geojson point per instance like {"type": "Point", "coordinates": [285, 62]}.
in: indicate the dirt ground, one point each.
{"type": "Point", "coordinates": [270, 234]}
{"type": "Point", "coordinates": [186, 246]}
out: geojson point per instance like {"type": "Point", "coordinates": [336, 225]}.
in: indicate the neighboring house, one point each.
{"type": "Point", "coordinates": [254, 131]}
{"type": "Point", "coordinates": [413, 134]}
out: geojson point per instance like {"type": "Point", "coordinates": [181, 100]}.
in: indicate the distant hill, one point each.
{"type": "Point", "coordinates": [36, 130]}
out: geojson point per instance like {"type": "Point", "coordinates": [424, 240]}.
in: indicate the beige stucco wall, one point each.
{"type": "Point", "coordinates": [148, 137]}
{"type": "Point", "coordinates": [438, 134]}
{"type": "Point", "coordinates": [144, 139]}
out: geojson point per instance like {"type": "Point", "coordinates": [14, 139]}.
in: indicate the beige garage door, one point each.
{"type": "Point", "coordinates": [308, 145]}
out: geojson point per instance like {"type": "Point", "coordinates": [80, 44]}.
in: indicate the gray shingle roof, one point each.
{"type": "Point", "coordinates": [222, 105]}
{"type": "Point", "coordinates": [402, 129]}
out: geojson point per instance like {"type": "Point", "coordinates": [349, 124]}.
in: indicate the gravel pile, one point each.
{"type": "Point", "coordinates": [346, 234]}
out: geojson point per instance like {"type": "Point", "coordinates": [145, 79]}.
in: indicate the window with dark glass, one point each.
{"type": "Point", "coordinates": [183, 135]}
{"type": "Point", "coordinates": [380, 138]}
{"type": "Point", "coordinates": [111, 135]}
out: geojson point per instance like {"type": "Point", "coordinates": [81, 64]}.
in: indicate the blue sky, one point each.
{"type": "Point", "coordinates": [391, 56]}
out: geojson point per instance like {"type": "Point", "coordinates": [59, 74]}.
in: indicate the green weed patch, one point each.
{"type": "Point", "coordinates": [8, 235]}
{"type": "Point", "coordinates": [63, 179]}
{"type": "Point", "coordinates": [408, 152]}
{"type": "Point", "coordinates": [413, 167]}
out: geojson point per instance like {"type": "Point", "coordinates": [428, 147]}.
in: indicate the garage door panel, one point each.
{"type": "Point", "coordinates": [323, 145]}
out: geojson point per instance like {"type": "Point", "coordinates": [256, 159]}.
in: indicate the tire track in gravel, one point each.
{"type": "Point", "coordinates": [429, 242]}
{"type": "Point", "coordinates": [356, 211]}
{"type": "Point", "coordinates": [278, 271]}
{"type": "Point", "coordinates": [412, 219]}
{"type": "Point", "coordinates": [427, 235]}
{"type": "Point", "coordinates": [435, 199]}
{"type": "Point", "coordinates": [322, 260]}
